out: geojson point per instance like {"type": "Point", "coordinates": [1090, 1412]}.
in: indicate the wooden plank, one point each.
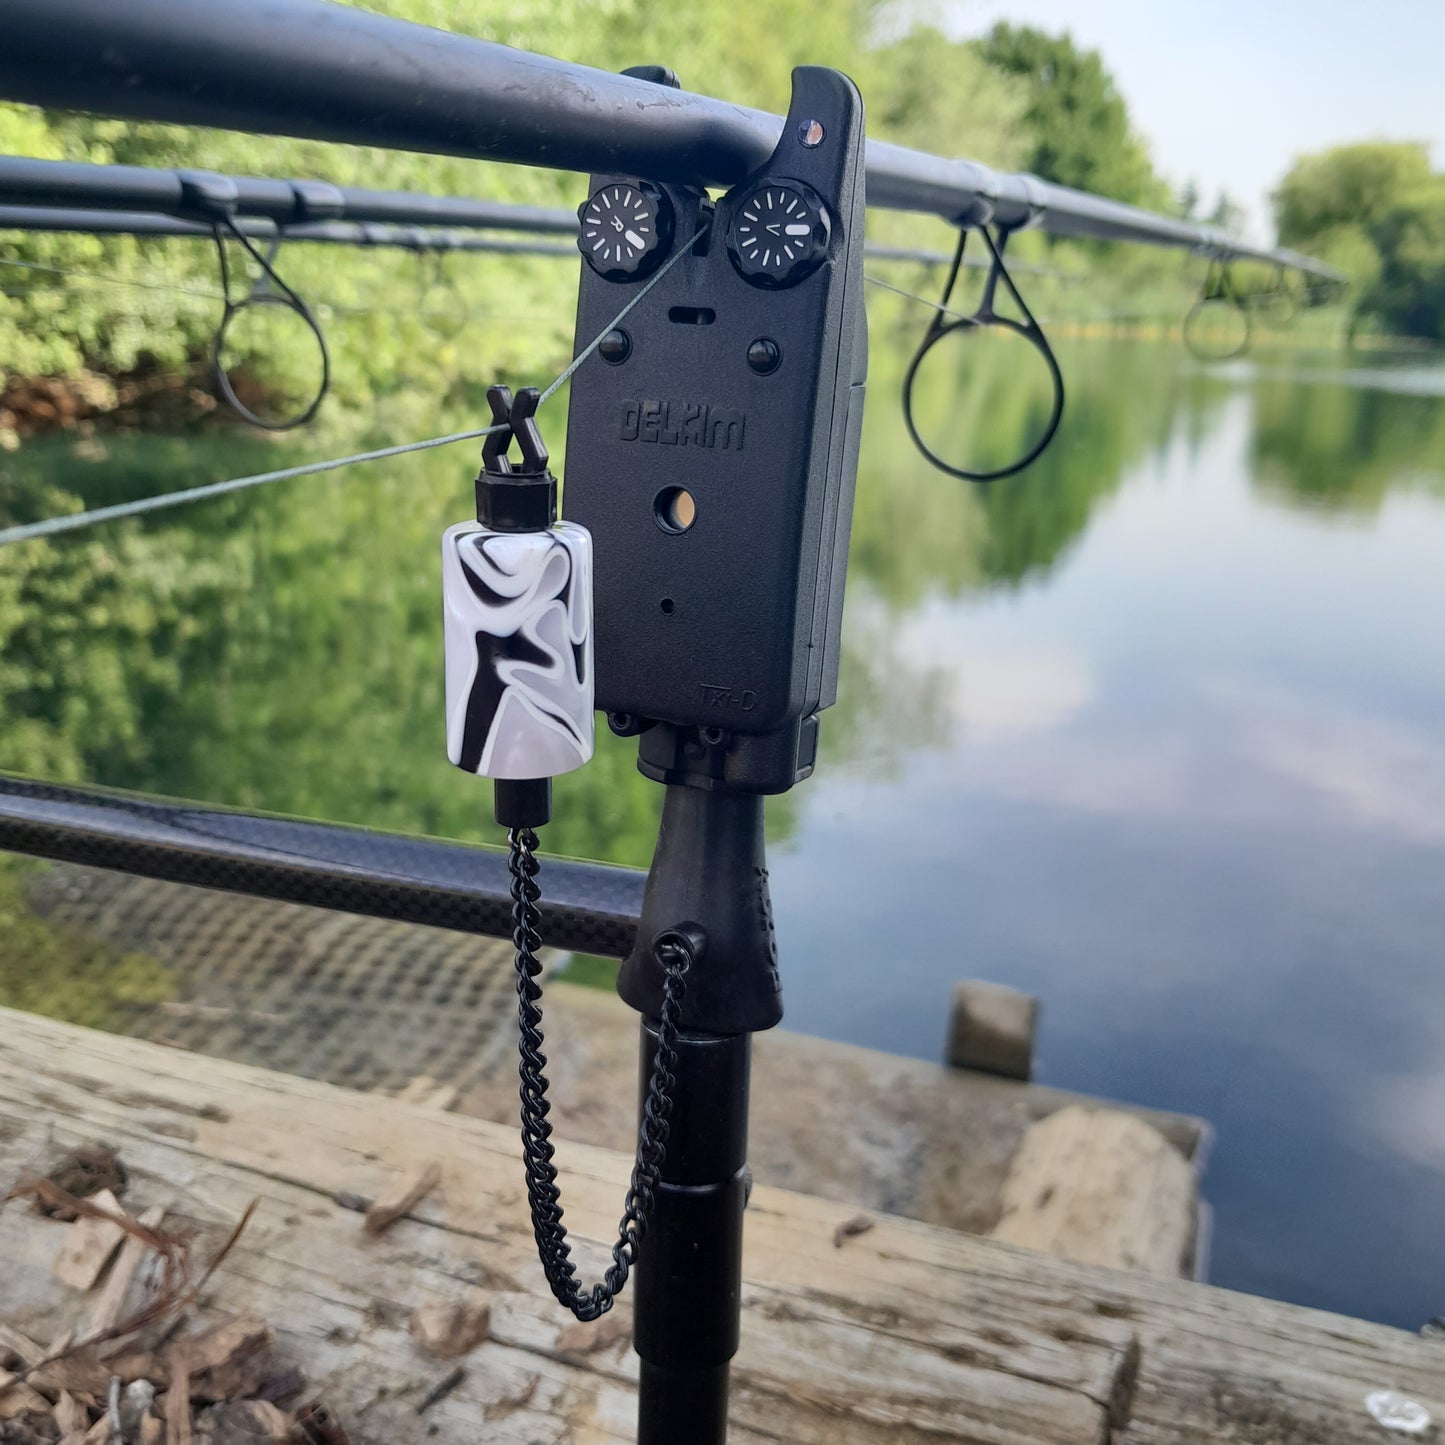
{"type": "Point", "coordinates": [906, 1333]}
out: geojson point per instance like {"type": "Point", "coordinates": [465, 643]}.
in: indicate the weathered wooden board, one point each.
{"type": "Point", "coordinates": [906, 1333]}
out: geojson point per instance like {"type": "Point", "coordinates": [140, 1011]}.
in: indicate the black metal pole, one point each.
{"type": "Point", "coordinates": [687, 1306]}
{"type": "Point", "coordinates": [332, 72]}
{"type": "Point", "coordinates": [709, 880]}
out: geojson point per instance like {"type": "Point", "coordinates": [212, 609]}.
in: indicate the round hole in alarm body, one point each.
{"type": "Point", "coordinates": [675, 510]}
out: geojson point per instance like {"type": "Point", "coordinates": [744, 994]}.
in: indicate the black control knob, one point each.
{"type": "Point", "coordinates": [778, 233]}
{"type": "Point", "coordinates": [626, 230]}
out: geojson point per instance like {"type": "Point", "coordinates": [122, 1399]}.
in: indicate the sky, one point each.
{"type": "Point", "coordinates": [1230, 92]}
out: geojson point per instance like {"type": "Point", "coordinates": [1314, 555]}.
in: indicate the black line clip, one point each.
{"type": "Point", "coordinates": [521, 498]}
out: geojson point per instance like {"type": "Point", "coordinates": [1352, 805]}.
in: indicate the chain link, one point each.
{"type": "Point", "coordinates": [537, 1149]}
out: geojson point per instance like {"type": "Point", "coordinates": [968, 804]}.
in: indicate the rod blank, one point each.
{"type": "Point", "coordinates": [337, 233]}
{"type": "Point", "coordinates": [142, 189]}
{"type": "Point", "coordinates": [328, 72]}
{"type": "Point", "coordinates": [429, 239]}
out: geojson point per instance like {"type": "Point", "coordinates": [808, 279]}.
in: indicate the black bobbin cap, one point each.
{"type": "Point", "coordinates": [522, 802]}
{"type": "Point", "coordinates": [516, 504]}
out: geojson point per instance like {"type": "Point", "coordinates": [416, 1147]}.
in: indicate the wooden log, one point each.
{"type": "Point", "coordinates": [1100, 1187]}
{"type": "Point", "coordinates": [908, 1333]}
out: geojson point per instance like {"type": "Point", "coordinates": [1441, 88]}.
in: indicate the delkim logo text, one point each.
{"type": "Point", "coordinates": [683, 424]}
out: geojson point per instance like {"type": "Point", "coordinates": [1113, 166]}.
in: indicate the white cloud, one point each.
{"type": "Point", "coordinates": [1380, 773]}
{"type": "Point", "coordinates": [997, 694]}
{"type": "Point", "coordinates": [997, 697]}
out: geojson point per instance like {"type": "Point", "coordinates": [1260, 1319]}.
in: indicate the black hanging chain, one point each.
{"type": "Point", "coordinates": [537, 1149]}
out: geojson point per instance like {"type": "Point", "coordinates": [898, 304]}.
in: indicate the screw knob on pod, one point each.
{"type": "Point", "coordinates": [778, 233]}
{"type": "Point", "coordinates": [626, 230]}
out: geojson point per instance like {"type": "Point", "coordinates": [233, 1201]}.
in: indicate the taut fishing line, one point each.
{"type": "Point", "coordinates": [109, 280]}
{"type": "Point", "coordinates": [52, 526]}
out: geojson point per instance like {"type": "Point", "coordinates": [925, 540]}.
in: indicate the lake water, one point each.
{"type": "Point", "coordinates": [1156, 732]}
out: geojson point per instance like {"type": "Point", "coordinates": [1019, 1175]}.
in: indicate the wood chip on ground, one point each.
{"type": "Point", "coordinates": [89, 1243]}
{"type": "Point", "coordinates": [451, 1328]}
{"type": "Point", "coordinates": [407, 1195]}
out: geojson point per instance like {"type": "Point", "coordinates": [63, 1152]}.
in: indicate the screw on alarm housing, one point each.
{"type": "Point", "coordinates": [615, 347]}
{"type": "Point", "coordinates": [778, 233]}
{"type": "Point", "coordinates": [765, 355]}
{"type": "Point", "coordinates": [626, 230]}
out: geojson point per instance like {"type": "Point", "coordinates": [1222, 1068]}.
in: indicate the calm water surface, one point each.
{"type": "Point", "coordinates": [1156, 733]}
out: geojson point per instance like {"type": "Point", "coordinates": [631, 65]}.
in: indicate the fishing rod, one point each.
{"type": "Point", "coordinates": [366, 234]}
{"type": "Point", "coordinates": [366, 79]}
{"type": "Point", "coordinates": [694, 593]}
{"type": "Point", "coordinates": [591, 907]}
{"type": "Point", "coordinates": [499, 216]}
{"type": "Point", "coordinates": [201, 194]}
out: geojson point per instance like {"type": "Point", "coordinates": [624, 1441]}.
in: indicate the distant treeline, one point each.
{"type": "Point", "coordinates": [1377, 211]}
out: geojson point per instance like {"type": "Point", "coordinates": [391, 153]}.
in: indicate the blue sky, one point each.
{"type": "Point", "coordinates": [1230, 92]}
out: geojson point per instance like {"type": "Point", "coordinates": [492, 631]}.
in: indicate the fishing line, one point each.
{"type": "Point", "coordinates": [333, 308]}
{"type": "Point", "coordinates": [109, 280]}
{"type": "Point", "coordinates": [344, 308]}
{"type": "Point", "coordinates": [50, 526]}
{"type": "Point", "coordinates": [928, 301]}
{"type": "Point", "coordinates": [1080, 319]}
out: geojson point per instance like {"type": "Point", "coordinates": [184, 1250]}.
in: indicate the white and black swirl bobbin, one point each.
{"type": "Point", "coordinates": [518, 649]}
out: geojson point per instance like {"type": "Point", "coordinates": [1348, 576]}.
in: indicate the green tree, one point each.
{"type": "Point", "coordinates": [1351, 185]}
{"type": "Point", "coordinates": [1409, 292]}
{"type": "Point", "coordinates": [928, 91]}
{"type": "Point", "coordinates": [1376, 212]}
{"type": "Point", "coordinates": [1077, 121]}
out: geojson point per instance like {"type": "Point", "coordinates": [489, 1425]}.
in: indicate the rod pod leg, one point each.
{"type": "Point", "coordinates": [689, 1271]}
{"type": "Point", "coordinates": [709, 882]}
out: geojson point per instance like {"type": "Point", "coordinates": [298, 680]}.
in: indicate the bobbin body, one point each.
{"type": "Point", "coordinates": [518, 636]}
